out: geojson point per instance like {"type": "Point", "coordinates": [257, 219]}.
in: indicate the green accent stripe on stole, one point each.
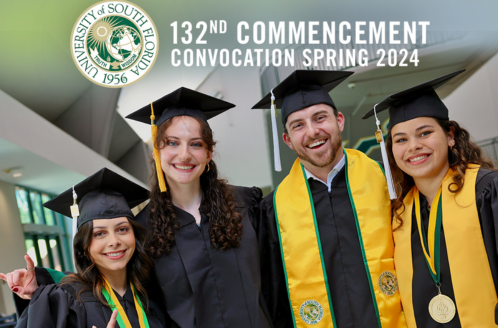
{"type": "Point", "coordinates": [282, 254]}
{"type": "Point", "coordinates": [360, 238]}
{"type": "Point", "coordinates": [319, 247]}
{"type": "Point", "coordinates": [381, 168]}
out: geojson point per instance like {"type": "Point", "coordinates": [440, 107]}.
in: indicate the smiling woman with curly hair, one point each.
{"type": "Point", "coordinates": [445, 217]}
{"type": "Point", "coordinates": [202, 230]}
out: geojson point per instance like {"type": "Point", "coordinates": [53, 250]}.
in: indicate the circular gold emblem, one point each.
{"type": "Point", "coordinates": [311, 312]}
{"type": "Point", "coordinates": [388, 283]}
{"type": "Point", "coordinates": [114, 43]}
{"type": "Point", "coordinates": [442, 309]}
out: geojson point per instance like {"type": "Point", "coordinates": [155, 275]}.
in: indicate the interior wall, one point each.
{"type": "Point", "coordinates": [12, 247]}
{"type": "Point", "coordinates": [241, 152]}
{"type": "Point", "coordinates": [474, 104]}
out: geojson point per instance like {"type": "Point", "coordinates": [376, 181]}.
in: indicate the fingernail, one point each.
{"type": "Point", "coordinates": [15, 290]}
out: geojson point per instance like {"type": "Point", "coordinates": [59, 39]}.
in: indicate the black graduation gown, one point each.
{"type": "Point", "coordinates": [348, 281]}
{"type": "Point", "coordinates": [57, 306]}
{"type": "Point", "coordinates": [206, 287]}
{"type": "Point", "coordinates": [423, 287]}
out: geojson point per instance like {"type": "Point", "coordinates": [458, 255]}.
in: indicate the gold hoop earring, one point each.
{"type": "Point", "coordinates": [207, 167]}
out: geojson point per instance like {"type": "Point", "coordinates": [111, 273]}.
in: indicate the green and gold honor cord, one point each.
{"type": "Point", "coordinates": [122, 318]}
{"type": "Point", "coordinates": [432, 245]}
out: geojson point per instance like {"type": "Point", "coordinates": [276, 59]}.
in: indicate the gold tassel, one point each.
{"type": "Point", "coordinates": [157, 159]}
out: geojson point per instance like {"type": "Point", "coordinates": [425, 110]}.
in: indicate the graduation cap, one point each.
{"type": "Point", "coordinates": [104, 195]}
{"type": "Point", "coordinates": [181, 102]}
{"type": "Point", "coordinates": [418, 101]}
{"type": "Point", "coordinates": [301, 89]}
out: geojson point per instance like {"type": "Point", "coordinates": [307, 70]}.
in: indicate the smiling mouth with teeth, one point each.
{"type": "Point", "coordinates": [115, 254]}
{"type": "Point", "coordinates": [184, 167]}
{"type": "Point", "coordinates": [419, 158]}
{"type": "Point", "coordinates": [316, 143]}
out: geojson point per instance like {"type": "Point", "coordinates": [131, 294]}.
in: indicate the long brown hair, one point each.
{"type": "Point", "coordinates": [464, 152]}
{"type": "Point", "coordinates": [225, 223]}
{"type": "Point", "coordinates": [138, 268]}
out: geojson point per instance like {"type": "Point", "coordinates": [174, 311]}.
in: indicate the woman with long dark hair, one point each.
{"type": "Point", "coordinates": [202, 230]}
{"type": "Point", "coordinates": [445, 217]}
{"type": "Point", "coordinates": [110, 259]}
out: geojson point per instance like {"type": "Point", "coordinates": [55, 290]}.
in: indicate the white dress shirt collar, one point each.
{"type": "Point", "coordinates": [331, 174]}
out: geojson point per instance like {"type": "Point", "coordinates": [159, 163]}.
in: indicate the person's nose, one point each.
{"type": "Point", "coordinates": [414, 145]}
{"type": "Point", "coordinates": [312, 131]}
{"type": "Point", "coordinates": [113, 241]}
{"type": "Point", "coordinates": [184, 154]}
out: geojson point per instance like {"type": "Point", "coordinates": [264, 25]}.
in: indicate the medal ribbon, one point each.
{"type": "Point", "coordinates": [122, 318]}
{"type": "Point", "coordinates": [433, 242]}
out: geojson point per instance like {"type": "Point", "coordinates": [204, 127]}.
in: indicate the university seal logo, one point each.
{"type": "Point", "coordinates": [388, 283]}
{"type": "Point", "coordinates": [114, 43]}
{"type": "Point", "coordinates": [311, 312]}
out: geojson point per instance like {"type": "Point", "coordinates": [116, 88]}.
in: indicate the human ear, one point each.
{"type": "Point", "coordinates": [287, 140]}
{"type": "Point", "coordinates": [451, 137]}
{"type": "Point", "coordinates": [340, 121]}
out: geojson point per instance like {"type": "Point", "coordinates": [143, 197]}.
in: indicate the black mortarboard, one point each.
{"type": "Point", "coordinates": [299, 90]}
{"type": "Point", "coordinates": [182, 102]}
{"type": "Point", "coordinates": [421, 100]}
{"type": "Point", "coordinates": [303, 89]}
{"type": "Point", "coordinates": [104, 195]}
{"type": "Point", "coordinates": [418, 101]}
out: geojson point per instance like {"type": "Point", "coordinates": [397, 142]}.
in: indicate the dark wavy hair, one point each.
{"type": "Point", "coordinates": [464, 152]}
{"type": "Point", "coordinates": [137, 270]}
{"type": "Point", "coordinates": [225, 223]}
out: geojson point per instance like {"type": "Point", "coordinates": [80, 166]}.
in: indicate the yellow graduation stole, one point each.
{"type": "Point", "coordinates": [300, 245]}
{"type": "Point", "coordinates": [475, 292]}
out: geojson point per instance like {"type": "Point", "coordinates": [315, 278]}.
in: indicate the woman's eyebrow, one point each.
{"type": "Point", "coordinates": [399, 134]}
{"type": "Point", "coordinates": [423, 127]}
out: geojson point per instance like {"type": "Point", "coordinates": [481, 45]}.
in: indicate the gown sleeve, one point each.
{"type": "Point", "coordinates": [487, 204]}
{"type": "Point", "coordinates": [43, 277]}
{"type": "Point", "coordinates": [52, 306]}
{"type": "Point", "coordinates": [273, 285]}
{"type": "Point", "coordinates": [251, 198]}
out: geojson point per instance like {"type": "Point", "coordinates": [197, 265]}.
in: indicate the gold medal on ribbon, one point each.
{"type": "Point", "coordinates": [442, 309]}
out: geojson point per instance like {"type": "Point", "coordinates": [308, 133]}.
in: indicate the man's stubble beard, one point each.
{"type": "Point", "coordinates": [335, 147]}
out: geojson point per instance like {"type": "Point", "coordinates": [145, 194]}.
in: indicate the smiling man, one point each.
{"type": "Point", "coordinates": [325, 232]}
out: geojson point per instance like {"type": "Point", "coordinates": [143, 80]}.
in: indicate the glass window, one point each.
{"type": "Point", "coordinates": [30, 249]}
{"type": "Point", "coordinates": [22, 204]}
{"type": "Point", "coordinates": [55, 247]}
{"type": "Point", "coordinates": [36, 207]}
{"type": "Point", "coordinates": [42, 246]}
{"type": "Point", "coordinates": [49, 215]}
{"type": "Point", "coordinates": [50, 249]}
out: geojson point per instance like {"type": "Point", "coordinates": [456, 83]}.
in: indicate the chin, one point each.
{"type": "Point", "coordinates": [323, 159]}
{"type": "Point", "coordinates": [117, 266]}
{"type": "Point", "coordinates": [187, 179]}
{"type": "Point", "coordinates": [422, 172]}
